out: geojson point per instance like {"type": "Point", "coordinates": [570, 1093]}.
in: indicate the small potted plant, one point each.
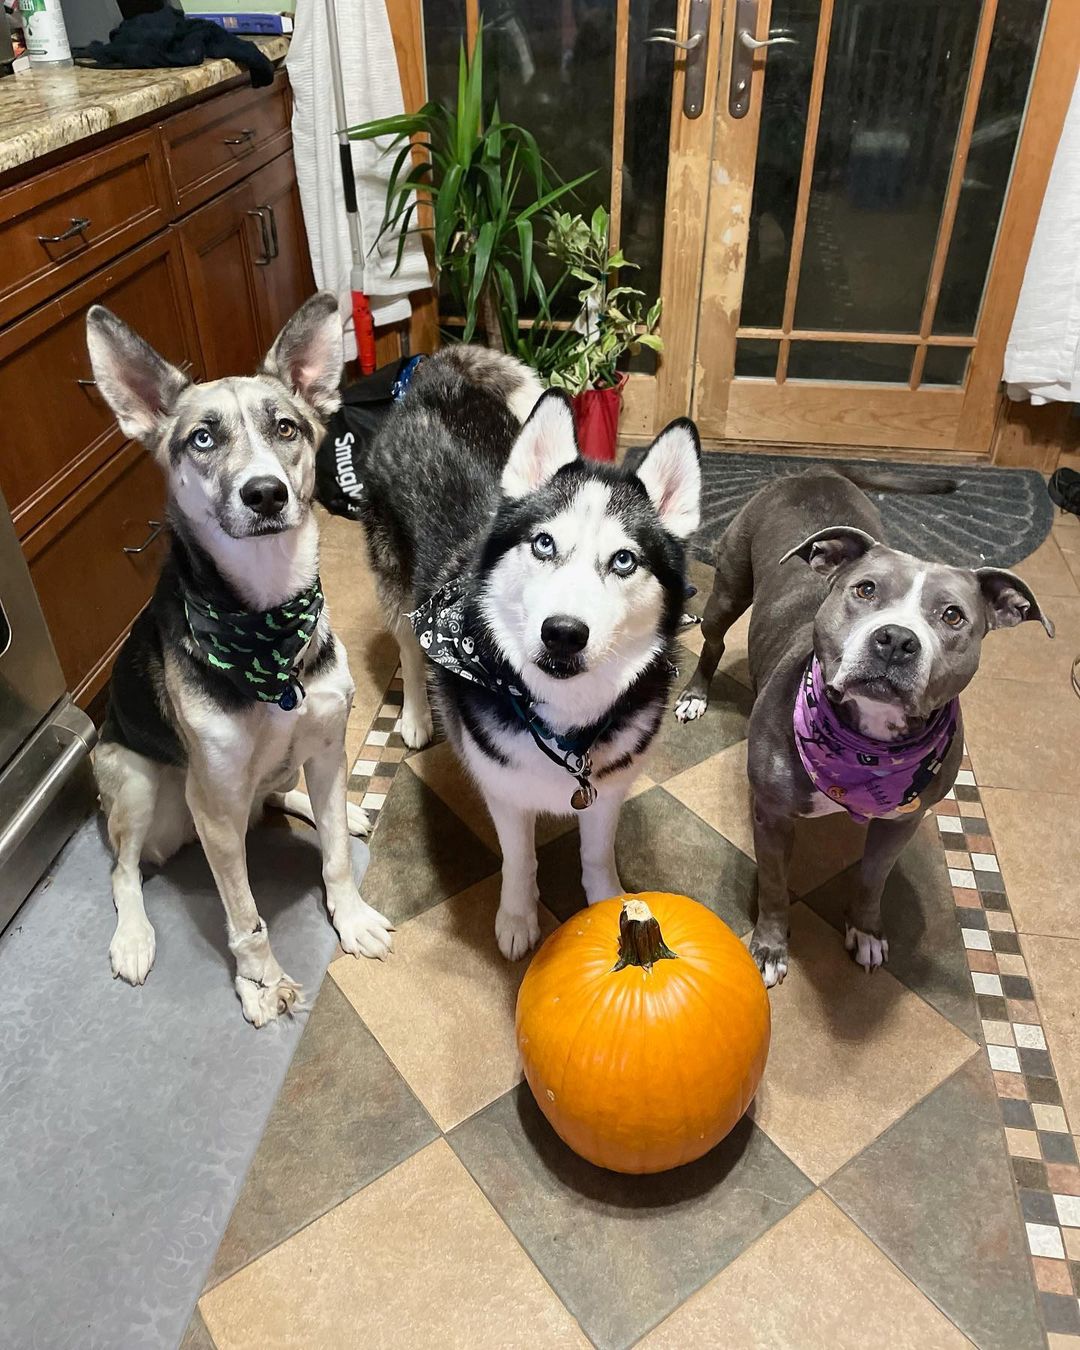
{"type": "Point", "coordinates": [612, 322]}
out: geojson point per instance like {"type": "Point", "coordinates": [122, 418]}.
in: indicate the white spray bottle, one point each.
{"type": "Point", "coordinates": [46, 36]}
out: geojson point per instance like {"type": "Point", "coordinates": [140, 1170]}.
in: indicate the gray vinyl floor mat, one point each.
{"type": "Point", "coordinates": [128, 1117]}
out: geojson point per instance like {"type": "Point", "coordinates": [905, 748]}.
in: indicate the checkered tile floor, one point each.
{"type": "Point", "coordinates": [906, 1176]}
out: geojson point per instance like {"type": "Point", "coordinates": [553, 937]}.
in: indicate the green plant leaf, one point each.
{"type": "Point", "coordinates": [481, 265]}
{"type": "Point", "coordinates": [525, 252]}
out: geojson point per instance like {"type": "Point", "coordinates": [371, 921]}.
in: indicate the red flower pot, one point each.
{"type": "Point", "coordinates": [596, 417]}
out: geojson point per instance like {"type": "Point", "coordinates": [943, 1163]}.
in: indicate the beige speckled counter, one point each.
{"type": "Point", "coordinates": [42, 111]}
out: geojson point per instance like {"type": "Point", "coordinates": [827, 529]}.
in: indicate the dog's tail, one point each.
{"type": "Point", "coordinates": [873, 479]}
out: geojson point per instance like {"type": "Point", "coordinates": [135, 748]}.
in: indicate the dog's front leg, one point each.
{"type": "Point", "coordinates": [863, 935]}
{"type": "Point", "coordinates": [416, 724]}
{"type": "Point", "coordinates": [517, 925]}
{"type": "Point", "coordinates": [598, 824]}
{"type": "Point", "coordinates": [221, 820]}
{"type": "Point", "coordinates": [774, 837]}
{"type": "Point", "coordinates": [362, 930]}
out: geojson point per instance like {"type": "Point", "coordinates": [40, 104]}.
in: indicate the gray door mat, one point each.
{"type": "Point", "coordinates": [995, 517]}
{"type": "Point", "coordinates": [128, 1117]}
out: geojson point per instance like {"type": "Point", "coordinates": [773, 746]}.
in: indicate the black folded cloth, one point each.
{"type": "Point", "coordinates": [1064, 490]}
{"type": "Point", "coordinates": [169, 38]}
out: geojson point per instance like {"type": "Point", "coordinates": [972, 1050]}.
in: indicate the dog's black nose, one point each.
{"type": "Point", "coordinates": [564, 635]}
{"type": "Point", "coordinates": [896, 645]}
{"type": "Point", "coordinates": [266, 496]}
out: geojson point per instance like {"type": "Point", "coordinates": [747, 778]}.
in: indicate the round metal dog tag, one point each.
{"type": "Point", "coordinates": [584, 796]}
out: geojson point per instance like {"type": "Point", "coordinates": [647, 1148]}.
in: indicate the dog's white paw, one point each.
{"type": "Point", "coordinates": [866, 949]}
{"type": "Point", "coordinates": [361, 930]}
{"type": "Point", "coordinates": [359, 824]}
{"type": "Point", "coordinates": [603, 886]}
{"type": "Point", "coordinates": [771, 961]}
{"type": "Point", "coordinates": [689, 707]}
{"type": "Point", "coordinates": [417, 728]}
{"type": "Point", "coordinates": [264, 1003]}
{"type": "Point", "coordinates": [131, 952]}
{"type": "Point", "coordinates": [516, 934]}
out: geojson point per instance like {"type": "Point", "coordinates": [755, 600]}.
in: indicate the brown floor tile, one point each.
{"type": "Point", "coordinates": [442, 1006]}
{"type": "Point", "coordinates": [418, 1259]}
{"type": "Point", "coordinates": [660, 846]}
{"type": "Point", "coordinates": [678, 747]}
{"type": "Point", "coordinates": [926, 950]}
{"type": "Point", "coordinates": [1054, 967]}
{"type": "Point", "coordinates": [875, 1047]}
{"type": "Point", "coordinates": [343, 1117]}
{"type": "Point", "coordinates": [1038, 848]}
{"type": "Point", "coordinates": [1026, 653]}
{"type": "Point", "coordinates": [421, 852]}
{"type": "Point", "coordinates": [1046, 571]}
{"type": "Point", "coordinates": [803, 1286]}
{"type": "Point", "coordinates": [623, 1252]}
{"type": "Point", "coordinates": [1020, 735]}
{"type": "Point", "coordinates": [197, 1337]}
{"type": "Point", "coordinates": [935, 1193]}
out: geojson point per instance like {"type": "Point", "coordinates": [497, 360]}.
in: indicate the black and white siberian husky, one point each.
{"type": "Point", "coordinates": [231, 679]}
{"type": "Point", "coordinates": [544, 590]}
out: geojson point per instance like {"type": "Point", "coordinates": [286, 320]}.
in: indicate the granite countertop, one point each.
{"type": "Point", "coordinates": [45, 110]}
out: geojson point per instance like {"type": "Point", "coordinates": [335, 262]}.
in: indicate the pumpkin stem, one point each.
{"type": "Point", "coordinates": [640, 941]}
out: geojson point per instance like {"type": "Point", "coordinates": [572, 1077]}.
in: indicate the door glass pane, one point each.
{"type": "Point", "coordinates": [444, 31]}
{"type": "Point", "coordinates": [650, 70]}
{"type": "Point", "coordinates": [1009, 66]}
{"type": "Point", "coordinates": [894, 89]}
{"type": "Point", "coordinates": [870, 362]}
{"type": "Point", "coordinates": [755, 358]}
{"type": "Point", "coordinates": [945, 365]}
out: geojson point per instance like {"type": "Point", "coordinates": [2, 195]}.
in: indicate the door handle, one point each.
{"type": "Point", "coordinates": [79, 224]}
{"type": "Point", "coordinates": [742, 54]}
{"type": "Point", "coordinates": [247, 134]}
{"type": "Point", "coordinates": [268, 249]}
{"type": "Point", "coordinates": [274, 249]}
{"type": "Point", "coordinates": [696, 47]}
{"type": "Point", "coordinates": [156, 527]}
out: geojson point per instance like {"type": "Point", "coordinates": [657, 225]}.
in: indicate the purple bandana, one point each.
{"type": "Point", "coordinates": [868, 778]}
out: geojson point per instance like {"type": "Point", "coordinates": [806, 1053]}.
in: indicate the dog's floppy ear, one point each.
{"type": "Point", "coordinates": [138, 385]}
{"type": "Point", "coordinates": [671, 474]}
{"type": "Point", "coordinates": [1009, 599]}
{"type": "Point", "coordinates": [831, 548]}
{"type": "Point", "coordinates": [544, 445]}
{"type": "Point", "coordinates": [308, 356]}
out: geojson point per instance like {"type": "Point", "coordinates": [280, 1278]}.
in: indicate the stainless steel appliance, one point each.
{"type": "Point", "coordinates": [46, 784]}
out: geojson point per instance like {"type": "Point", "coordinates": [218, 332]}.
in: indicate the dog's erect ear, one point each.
{"type": "Point", "coordinates": [138, 385]}
{"type": "Point", "coordinates": [671, 474]}
{"type": "Point", "coordinates": [831, 548]}
{"type": "Point", "coordinates": [308, 356]}
{"type": "Point", "coordinates": [544, 445]}
{"type": "Point", "coordinates": [1009, 599]}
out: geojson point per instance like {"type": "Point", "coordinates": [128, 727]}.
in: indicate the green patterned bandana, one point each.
{"type": "Point", "coordinates": [259, 652]}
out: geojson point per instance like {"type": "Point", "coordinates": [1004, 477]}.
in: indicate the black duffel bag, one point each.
{"type": "Point", "coordinates": [339, 479]}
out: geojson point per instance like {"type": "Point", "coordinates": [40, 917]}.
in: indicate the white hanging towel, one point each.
{"type": "Point", "coordinates": [1042, 359]}
{"type": "Point", "coordinates": [372, 89]}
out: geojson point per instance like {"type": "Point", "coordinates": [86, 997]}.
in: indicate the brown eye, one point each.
{"type": "Point", "coordinates": [865, 590]}
{"type": "Point", "coordinates": [953, 616]}
{"type": "Point", "coordinates": [287, 430]}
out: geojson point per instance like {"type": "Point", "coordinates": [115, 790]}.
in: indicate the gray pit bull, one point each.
{"type": "Point", "coordinates": [895, 638]}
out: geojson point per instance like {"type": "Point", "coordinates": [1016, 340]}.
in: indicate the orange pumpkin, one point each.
{"type": "Point", "coordinates": [643, 1025]}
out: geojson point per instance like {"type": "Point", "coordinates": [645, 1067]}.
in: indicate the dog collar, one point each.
{"type": "Point", "coordinates": [257, 651]}
{"type": "Point", "coordinates": [869, 778]}
{"type": "Point", "coordinates": [440, 627]}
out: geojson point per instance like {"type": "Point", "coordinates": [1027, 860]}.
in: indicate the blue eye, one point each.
{"type": "Point", "coordinates": [623, 563]}
{"type": "Point", "coordinates": [201, 439]}
{"type": "Point", "coordinates": [543, 547]}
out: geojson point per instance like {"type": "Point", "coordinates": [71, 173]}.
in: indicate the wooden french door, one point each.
{"type": "Point", "coordinates": [874, 189]}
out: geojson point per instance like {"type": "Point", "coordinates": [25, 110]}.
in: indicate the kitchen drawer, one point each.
{"type": "Point", "coordinates": [63, 224]}
{"type": "Point", "coordinates": [89, 588]}
{"type": "Point", "coordinates": [214, 145]}
{"type": "Point", "coordinates": [57, 427]}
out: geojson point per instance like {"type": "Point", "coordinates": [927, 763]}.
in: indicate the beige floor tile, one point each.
{"type": "Point", "coordinates": [1026, 653]}
{"type": "Point", "coordinates": [804, 1286]}
{"type": "Point", "coordinates": [418, 1260]}
{"type": "Point", "coordinates": [443, 1007]}
{"type": "Point", "coordinates": [347, 579]}
{"type": "Point", "coordinates": [1038, 847]}
{"type": "Point", "coordinates": [1046, 571]}
{"type": "Point", "coordinates": [1023, 735]}
{"type": "Point", "coordinates": [1070, 551]}
{"type": "Point", "coordinates": [851, 1052]}
{"type": "Point", "coordinates": [1054, 970]}
{"type": "Point", "coordinates": [717, 790]}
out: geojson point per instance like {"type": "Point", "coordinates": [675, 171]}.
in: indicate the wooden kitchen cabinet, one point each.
{"type": "Point", "coordinates": [286, 280]}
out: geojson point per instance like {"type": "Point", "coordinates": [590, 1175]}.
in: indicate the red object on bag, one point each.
{"type": "Point", "coordinates": [364, 327]}
{"type": "Point", "coordinates": [596, 417]}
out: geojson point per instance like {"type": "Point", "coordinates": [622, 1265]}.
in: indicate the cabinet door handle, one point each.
{"type": "Point", "coordinates": [248, 134]}
{"type": "Point", "coordinates": [274, 249]}
{"type": "Point", "coordinates": [156, 527]}
{"type": "Point", "coordinates": [79, 224]}
{"type": "Point", "coordinates": [268, 249]}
